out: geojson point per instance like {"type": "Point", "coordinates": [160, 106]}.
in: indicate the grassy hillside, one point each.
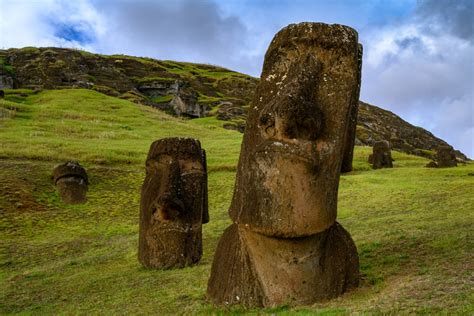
{"type": "Point", "coordinates": [412, 225]}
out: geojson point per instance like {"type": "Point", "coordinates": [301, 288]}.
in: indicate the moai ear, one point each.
{"type": "Point", "coordinates": [205, 201]}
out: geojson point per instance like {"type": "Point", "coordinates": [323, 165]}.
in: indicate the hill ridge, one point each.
{"type": "Point", "coordinates": [184, 89]}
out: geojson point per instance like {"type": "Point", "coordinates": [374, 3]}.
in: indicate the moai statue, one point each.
{"type": "Point", "coordinates": [381, 156]}
{"type": "Point", "coordinates": [445, 156]}
{"type": "Point", "coordinates": [173, 204]}
{"type": "Point", "coordinates": [431, 164]}
{"type": "Point", "coordinates": [72, 182]}
{"type": "Point", "coordinates": [352, 129]}
{"type": "Point", "coordinates": [285, 245]}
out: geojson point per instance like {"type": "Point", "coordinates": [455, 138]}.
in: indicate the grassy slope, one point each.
{"type": "Point", "coordinates": [411, 224]}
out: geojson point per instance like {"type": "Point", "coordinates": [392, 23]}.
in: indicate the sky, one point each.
{"type": "Point", "coordinates": [417, 63]}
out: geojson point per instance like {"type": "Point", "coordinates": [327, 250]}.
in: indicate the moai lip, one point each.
{"type": "Point", "coordinates": [445, 156]}
{"type": "Point", "coordinates": [72, 182]}
{"type": "Point", "coordinates": [173, 204]}
{"type": "Point", "coordinates": [381, 156]}
{"type": "Point", "coordinates": [295, 132]}
{"type": "Point", "coordinates": [285, 246]}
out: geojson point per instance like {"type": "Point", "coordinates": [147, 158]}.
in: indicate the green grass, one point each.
{"type": "Point", "coordinates": [162, 99]}
{"type": "Point", "coordinates": [412, 225]}
{"type": "Point", "coordinates": [6, 67]}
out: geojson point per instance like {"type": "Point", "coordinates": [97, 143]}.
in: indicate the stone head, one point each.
{"type": "Point", "coordinates": [173, 202]}
{"type": "Point", "coordinates": [445, 156]}
{"type": "Point", "coordinates": [288, 174]}
{"type": "Point", "coordinates": [72, 182]}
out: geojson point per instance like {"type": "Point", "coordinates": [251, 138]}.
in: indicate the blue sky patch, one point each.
{"type": "Point", "coordinates": [73, 33]}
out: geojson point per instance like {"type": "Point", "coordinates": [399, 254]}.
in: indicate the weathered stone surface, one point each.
{"type": "Point", "coordinates": [6, 82]}
{"type": "Point", "coordinates": [173, 204]}
{"type": "Point", "coordinates": [381, 156]}
{"type": "Point", "coordinates": [257, 270]}
{"type": "Point", "coordinates": [284, 245]}
{"type": "Point", "coordinates": [72, 182]}
{"type": "Point", "coordinates": [295, 133]}
{"type": "Point", "coordinates": [431, 164]}
{"type": "Point", "coordinates": [446, 157]}
{"type": "Point", "coordinates": [351, 131]}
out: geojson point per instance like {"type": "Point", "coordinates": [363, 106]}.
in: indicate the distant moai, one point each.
{"type": "Point", "coordinates": [285, 245]}
{"type": "Point", "coordinates": [72, 182]}
{"type": "Point", "coordinates": [352, 129]}
{"type": "Point", "coordinates": [173, 204]}
{"type": "Point", "coordinates": [445, 156]}
{"type": "Point", "coordinates": [381, 156]}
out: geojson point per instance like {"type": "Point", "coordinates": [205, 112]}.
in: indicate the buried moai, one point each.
{"type": "Point", "coordinates": [72, 182]}
{"type": "Point", "coordinates": [381, 156]}
{"type": "Point", "coordinates": [285, 245]}
{"type": "Point", "coordinates": [173, 204]}
{"type": "Point", "coordinates": [445, 156]}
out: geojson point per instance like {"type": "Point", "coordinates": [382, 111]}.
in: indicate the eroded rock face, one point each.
{"type": "Point", "coordinates": [285, 244]}
{"type": "Point", "coordinates": [72, 182]}
{"type": "Point", "coordinates": [173, 204]}
{"type": "Point", "coordinates": [446, 157]}
{"type": "Point", "coordinates": [381, 156]}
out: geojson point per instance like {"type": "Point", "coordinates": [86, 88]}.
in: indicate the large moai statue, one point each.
{"type": "Point", "coordinates": [72, 182]}
{"type": "Point", "coordinates": [381, 155]}
{"type": "Point", "coordinates": [445, 156]}
{"type": "Point", "coordinates": [285, 245]}
{"type": "Point", "coordinates": [173, 204]}
{"type": "Point", "coordinates": [352, 129]}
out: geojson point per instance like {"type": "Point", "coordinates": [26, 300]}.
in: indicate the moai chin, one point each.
{"type": "Point", "coordinates": [285, 245]}
{"type": "Point", "coordinates": [173, 204]}
{"type": "Point", "coordinates": [381, 156]}
{"type": "Point", "coordinates": [72, 182]}
{"type": "Point", "coordinates": [445, 156]}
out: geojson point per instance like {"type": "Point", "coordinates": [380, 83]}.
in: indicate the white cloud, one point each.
{"type": "Point", "coordinates": [423, 75]}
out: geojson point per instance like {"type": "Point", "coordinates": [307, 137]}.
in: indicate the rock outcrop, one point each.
{"type": "Point", "coordinates": [285, 245]}
{"type": "Point", "coordinates": [72, 182]}
{"type": "Point", "coordinates": [173, 204]}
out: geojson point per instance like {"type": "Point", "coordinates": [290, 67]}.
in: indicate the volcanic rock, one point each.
{"type": "Point", "coordinates": [285, 245]}
{"type": "Point", "coordinates": [173, 204]}
{"type": "Point", "coordinates": [72, 182]}
{"type": "Point", "coordinates": [381, 156]}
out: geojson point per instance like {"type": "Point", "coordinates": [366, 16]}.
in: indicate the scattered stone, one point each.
{"type": "Point", "coordinates": [234, 127]}
{"type": "Point", "coordinates": [446, 157]}
{"type": "Point", "coordinates": [381, 157]}
{"type": "Point", "coordinates": [173, 204]}
{"type": "Point", "coordinates": [285, 245]}
{"type": "Point", "coordinates": [72, 182]}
